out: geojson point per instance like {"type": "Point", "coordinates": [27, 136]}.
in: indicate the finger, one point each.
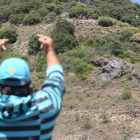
{"type": "Point", "coordinates": [40, 36]}
{"type": "Point", "coordinates": [6, 40]}
{"type": "Point", "coordinates": [3, 48]}
{"type": "Point", "coordinates": [3, 41]}
{"type": "Point", "coordinates": [41, 46]}
{"type": "Point", "coordinates": [42, 40]}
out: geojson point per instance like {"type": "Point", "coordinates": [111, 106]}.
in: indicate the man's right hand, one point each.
{"type": "Point", "coordinates": [46, 42]}
{"type": "Point", "coordinates": [47, 47]}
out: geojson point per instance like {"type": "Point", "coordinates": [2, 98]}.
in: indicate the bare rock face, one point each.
{"type": "Point", "coordinates": [134, 39]}
{"type": "Point", "coordinates": [115, 68]}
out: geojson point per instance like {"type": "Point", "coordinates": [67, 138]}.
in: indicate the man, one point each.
{"type": "Point", "coordinates": [26, 116]}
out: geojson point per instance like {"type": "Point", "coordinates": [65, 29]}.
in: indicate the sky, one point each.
{"type": "Point", "coordinates": [138, 1]}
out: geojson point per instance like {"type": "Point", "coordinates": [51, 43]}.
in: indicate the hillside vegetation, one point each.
{"type": "Point", "coordinates": [100, 54]}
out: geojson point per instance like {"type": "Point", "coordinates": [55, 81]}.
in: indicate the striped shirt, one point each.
{"type": "Point", "coordinates": [33, 117]}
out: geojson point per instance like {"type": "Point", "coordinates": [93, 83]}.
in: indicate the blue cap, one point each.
{"type": "Point", "coordinates": [14, 68]}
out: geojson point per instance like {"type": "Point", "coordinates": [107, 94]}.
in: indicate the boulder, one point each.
{"type": "Point", "coordinates": [134, 39]}
{"type": "Point", "coordinates": [115, 68]}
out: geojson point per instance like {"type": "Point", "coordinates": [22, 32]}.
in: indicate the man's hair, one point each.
{"type": "Point", "coordinates": [21, 91]}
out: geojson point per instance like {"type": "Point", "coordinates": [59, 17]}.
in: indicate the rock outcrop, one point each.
{"type": "Point", "coordinates": [114, 68]}
{"type": "Point", "coordinates": [134, 39]}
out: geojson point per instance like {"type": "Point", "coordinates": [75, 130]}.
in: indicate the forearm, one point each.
{"type": "Point", "coordinates": [51, 58]}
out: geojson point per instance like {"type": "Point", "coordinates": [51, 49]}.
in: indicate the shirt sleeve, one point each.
{"type": "Point", "coordinates": [54, 85]}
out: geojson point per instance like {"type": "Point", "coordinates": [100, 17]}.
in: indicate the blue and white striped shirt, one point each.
{"type": "Point", "coordinates": [33, 117]}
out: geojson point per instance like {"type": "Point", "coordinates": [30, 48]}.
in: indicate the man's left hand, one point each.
{"type": "Point", "coordinates": [2, 45]}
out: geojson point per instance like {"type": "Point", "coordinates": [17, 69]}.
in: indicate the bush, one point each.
{"type": "Point", "coordinates": [10, 33]}
{"type": "Point", "coordinates": [137, 34]}
{"type": "Point", "coordinates": [22, 8]}
{"type": "Point", "coordinates": [32, 18]}
{"type": "Point", "coordinates": [79, 9]}
{"type": "Point", "coordinates": [76, 60]}
{"type": "Point", "coordinates": [25, 58]}
{"type": "Point", "coordinates": [126, 95]}
{"type": "Point", "coordinates": [5, 12]}
{"type": "Point", "coordinates": [50, 17]}
{"type": "Point", "coordinates": [51, 7]}
{"type": "Point", "coordinates": [108, 44]}
{"type": "Point", "coordinates": [63, 42]}
{"type": "Point", "coordinates": [133, 29]}
{"type": "Point", "coordinates": [16, 19]}
{"type": "Point", "coordinates": [73, 3]}
{"type": "Point", "coordinates": [126, 34]}
{"type": "Point", "coordinates": [33, 45]}
{"type": "Point", "coordinates": [105, 21]}
{"type": "Point", "coordinates": [40, 63]}
{"type": "Point", "coordinates": [43, 12]}
{"type": "Point", "coordinates": [90, 41]}
{"type": "Point", "coordinates": [62, 25]}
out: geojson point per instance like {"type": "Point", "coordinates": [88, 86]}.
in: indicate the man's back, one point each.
{"type": "Point", "coordinates": [31, 117]}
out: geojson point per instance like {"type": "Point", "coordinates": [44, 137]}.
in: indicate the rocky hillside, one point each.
{"type": "Point", "coordinates": [102, 73]}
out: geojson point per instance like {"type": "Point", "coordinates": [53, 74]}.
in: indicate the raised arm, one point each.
{"type": "Point", "coordinates": [54, 85]}
{"type": "Point", "coordinates": [47, 47]}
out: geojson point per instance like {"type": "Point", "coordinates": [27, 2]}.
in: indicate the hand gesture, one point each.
{"type": "Point", "coordinates": [46, 42]}
{"type": "Point", "coordinates": [2, 43]}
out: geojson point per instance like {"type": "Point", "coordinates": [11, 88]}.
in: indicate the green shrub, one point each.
{"type": "Point", "coordinates": [43, 12]}
{"type": "Point", "coordinates": [105, 21]}
{"type": "Point", "coordinates": [33, 45]}
{"type": "Point", "coordinates": [90, 41]}
{"type": "Point", "coordinates": [105, 118]}
{"type": "Point", "coordinates": [133, 60]}
{"type": "Point", "coordinates": [16, 19]}
{"type": "Point", "coordinates": [73, 3]}
{"type": "Point", "coordinates": [126, 95]}
{"type": "Point", "coordinates": [126, 34]}
{"type": "Point", "coordinates": [76, 61]}
{"type": "Point", "coordinates": [77, 10]}
{"type": "Point", "coordinates": [62, 25]}
{"type": "Point", "coordinates": [40, 63]}
{"type": "Point", "coordinates": [51, 7]}
{"type": "Point", "coordinates": [32, 18]}
{"type": "Point", "coordinates": [22, 8]}
{"type": "Point", "coordinates": [25, 58]}
{"type": "Point", "coordinates": [10, 33]}
{"type": "Point", "coordinates": [63, 42]}
{"type": "Point", "coordinates": [50, 17]}
{"type": "Point", "coordinates": [5, 12]}
{"type": "Point", "coordinates": [58, 9]}
{"type": "Point", "coordinates": [108, 44]}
